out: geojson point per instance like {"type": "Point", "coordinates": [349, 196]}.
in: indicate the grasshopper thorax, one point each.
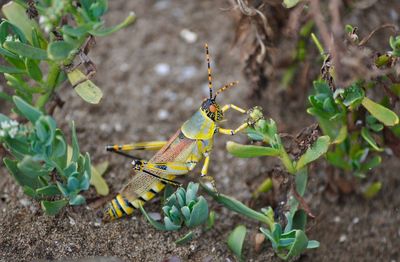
{"type": "Point", "coordinates": [212, 110]}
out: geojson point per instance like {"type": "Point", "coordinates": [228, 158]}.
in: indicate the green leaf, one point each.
{"type": "Point", "coordinates": [353, 95]}
{"type": "Point", "coordinates": [53, 207]}
{"type": "Point", "coordinates": [19, 176]}
{"type": "Point", "coordinates": [85, 88]}
{"type": "Point", "coordinates": [290, 3]}
{"type": "Point", "coordinates": [33, 69]}
{"type": "Point", "coordinates": [341, 135]}
{"type": "Point", "coordinates": [25, 50]}
{"type": "Point", "coordinates": [384, 115]}
{"type": "Point", "coordinates": [188, 237]}
{"type": "Point", "coordinates": [107, 31]}
{"type": "Point", "coordinates": [73, 184]}
{"type": "Point", "coordinates": [237, 206]}
{"type": "Point", "coordinates": [28, 111]}
{"type": "Point", "coordinates": [264, 187]}
{"type": "Point", "coordinates": [247, 151]}
{"type": "Point", "coordinates": [301, 181]}
{"type": "Point", "coordinates": [50, 190]}
{"type": "Point", "coordinates": [312, 244]}
{"type": "Point", "coordinates": [154, 223]}
{"type": "Point", "coordinates": [16, 14]}
{"type": "Point", "coordinates": [319, 148]}
{"type": "Point", "coordinates": [374, 162]}
{"type": "Point", "coordinates": [98, 181]}
{"type": "Point", "coordinates": [11, 70]}
{"type": "Point", "coordinates": [210, 220]}
{"type": "Point", "coordinates": [299, 220]}
{"type": "Point", "coordinates": [370, 140]}
{"type": "Point", "coordinates": [199, 213]}
{"type": "Point", "coordinates": [75, 145]}
{"type": "Point", "coordinates": [372, 190]}
{"type": "Point", "coordinates": [59, 50]}
{"type": "Point", "coordinates": [299, 245]}
{"type": "Point", "coordinates": [77, 200]}
{"type": "Point", "coordinates": [235, 241]}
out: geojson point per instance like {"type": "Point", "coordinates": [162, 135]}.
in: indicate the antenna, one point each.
{"type": "Point", "coordinates": [225, 87]}
{"type": "Point", "coordinates": [209, 71]}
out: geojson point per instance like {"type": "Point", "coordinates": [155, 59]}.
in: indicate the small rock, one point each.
{"type": "Point", "coordinates": [97, 224]}
{"type": "Point", "coordinates": [118, 127]}
{"type": "Point", "coordinates": [124, 67]}
{"type": "Point", "coordinates": [192, 247]}
{"type": "Point", "coordinates": [356, 220]}
{"type": "Point", "coordinates": [337, 219]}
{"type": "Point", "coordinates": [162, 69]}
{"type": "Point", "coordinates": [189, 36]}
{"type": "Point", "coordinates": [25, 202]}
{"type": "Point", "coordinates": [258, 239]}
{"type": "Point", "coordinates": [187, 72]}
{"type": "Point", "coordinates": [162, 114]}
{"type": "Point", "coordinates": [342, 238]}
{"type": "Point", "coordinates": [71, 221]}
{"type": "Point", "coordinates": [155, 215]}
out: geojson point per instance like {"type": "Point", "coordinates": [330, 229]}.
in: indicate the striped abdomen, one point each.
{"type": "Point", "coordinates": [144, 187]}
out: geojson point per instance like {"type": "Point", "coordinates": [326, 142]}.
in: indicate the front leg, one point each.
{"type": "Point", "coordinates": [232, 131]}
{"type": "Point", "coordinates": [204, 171]}
{"type": "Point", "coordinates": [229, 106]}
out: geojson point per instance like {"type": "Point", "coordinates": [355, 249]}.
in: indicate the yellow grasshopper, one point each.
{"type": "Point", "coordinates": [175, 157]}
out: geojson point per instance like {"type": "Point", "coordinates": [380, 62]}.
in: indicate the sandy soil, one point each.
{"type": "Point", "coordinates": [152, 81]}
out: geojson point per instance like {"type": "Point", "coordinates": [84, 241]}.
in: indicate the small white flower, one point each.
{"type": "Point", "coordinates": [12, 132]}
{"type": "Point", "coordinates": [13, 123]}
{"type": "Point", "coordinates": [2, 133]}
{"type": "Point", "coordinates": [5, 125]}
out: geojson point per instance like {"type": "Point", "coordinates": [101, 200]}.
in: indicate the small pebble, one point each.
{"type": "Point", "coordinates": [124, 67]}
{"type": "Point", "coordinates": [189, 36]}
{"type": "Point", "coordinates": [97, 224]}
{"type": "Point", "coordinates": [25, 202]}
{"type": "Point", "coordinates": [162, 69]}
{"type": "Point", "coordinates": [118, 127]}
{"type": "Point", "coordinates": [356, 220]}
{"type": "Point", "coordinates": [342, 238]}
{"type": "Point", "coordinates": [259, 239]}
{"type": "Point", "coordinates": [162, 114]}
{"type": "Point", "coordinates": [187, 73]}
{"type": "Point", "coordinates": [155, 215]}
{"type": "Point", "coordinates": [337, 219]}
{"type": "Point", "coordinates": [71, 221]}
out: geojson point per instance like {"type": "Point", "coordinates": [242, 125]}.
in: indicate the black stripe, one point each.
{"type": "Point", "coordinates": [119, 206]}
{"type": "Point", "coordinates": [128, 203]}
{"type": "Point", "coordinates": [141, 198]}
{"type": "Point", "coordinates": [112, 210]}
{"type": "Point", "coordinates": [153, 191]}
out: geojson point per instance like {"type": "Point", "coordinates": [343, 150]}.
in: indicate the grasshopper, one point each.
{"type": "Point", "coordinates": [192, 143]}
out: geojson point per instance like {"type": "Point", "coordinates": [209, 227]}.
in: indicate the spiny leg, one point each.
{"type": "Point", "coordinates": [120, 149]}
{"type": "Point", "coordinates": [231, 131]}
{"type": "Point", "coordinates": [169, 168]}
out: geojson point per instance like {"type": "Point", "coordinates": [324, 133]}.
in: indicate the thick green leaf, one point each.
{"type": "Point", "coordinates": [312, 244]}
{"type": "Point", "coordinates": [154, 223]}
{"type": "Point", "coordinates": [107, 31]}
{"type": "Point", "coordinates": [370, 140]}
{"type": "Point", "coordinates": [247, 151]}
{"type": "Point", "coordinates": [75, 145]}
{"type": "Point", "coordinates": [77, 200]}
{"type": "Point", "coordinates": [319, 148]}
{"type": "Point", "coordinates": [59, 50]}
{"type": "Point", "coordinates": [353, 96]}
{"type": "Point", "coordinates": [384, 115]}
{"type": "Point", "coordinates": [25, 50]}
{"type": "Point", "coordinates": [237, 206]}
{"type": "Point", "coordinates": [210, 220]}
{"type": "Point", "coordinates": [85, 88]}
{"type": "Point", "coordinates": [20, 177]}
{"type": "Point", "coordinates": [299, 220]}
{"type": "Point", "coordinates": [299, 245]}
{"type": "Point", "coordinates": [53, 207]}
{"type": "Point", "coordinates": [185, 239]}
{"type": "Point", "coordinates": [290, 3]}
{"type": "Point", "coordinates": [236, 239]}
{"type": "Point", "coordinates": [98, 181]}
{"type": "Point", "coordinates": [16, 14]}
{"type": "Point", "coordinates": [28, 111]}
{"type": "Point", "coordinates": [199, 213]}
{"type": "Point", "coordinates": [372, 190]}
{"type": "Point", "coordinates": [50, 190]}
{"type": "Point", "coordinates": [11, 70]}
{"type": "Point", "coordinates": [33, 69]}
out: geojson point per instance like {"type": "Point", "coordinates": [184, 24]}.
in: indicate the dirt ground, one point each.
{"type": "Point", "coordinates": [152, 81]}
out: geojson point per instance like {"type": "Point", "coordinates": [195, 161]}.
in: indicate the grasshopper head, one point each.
{"type": "Point", "coordinates": [212, 110]}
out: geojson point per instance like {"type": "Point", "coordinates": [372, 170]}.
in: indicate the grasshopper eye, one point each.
{"type": "Point", "coordinates": [212, 108]}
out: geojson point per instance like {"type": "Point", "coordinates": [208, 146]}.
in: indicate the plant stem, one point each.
{"type": "Point", "coordinates": [54, 72]}
{"type": "Point", "coordinates": [319, 46]}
